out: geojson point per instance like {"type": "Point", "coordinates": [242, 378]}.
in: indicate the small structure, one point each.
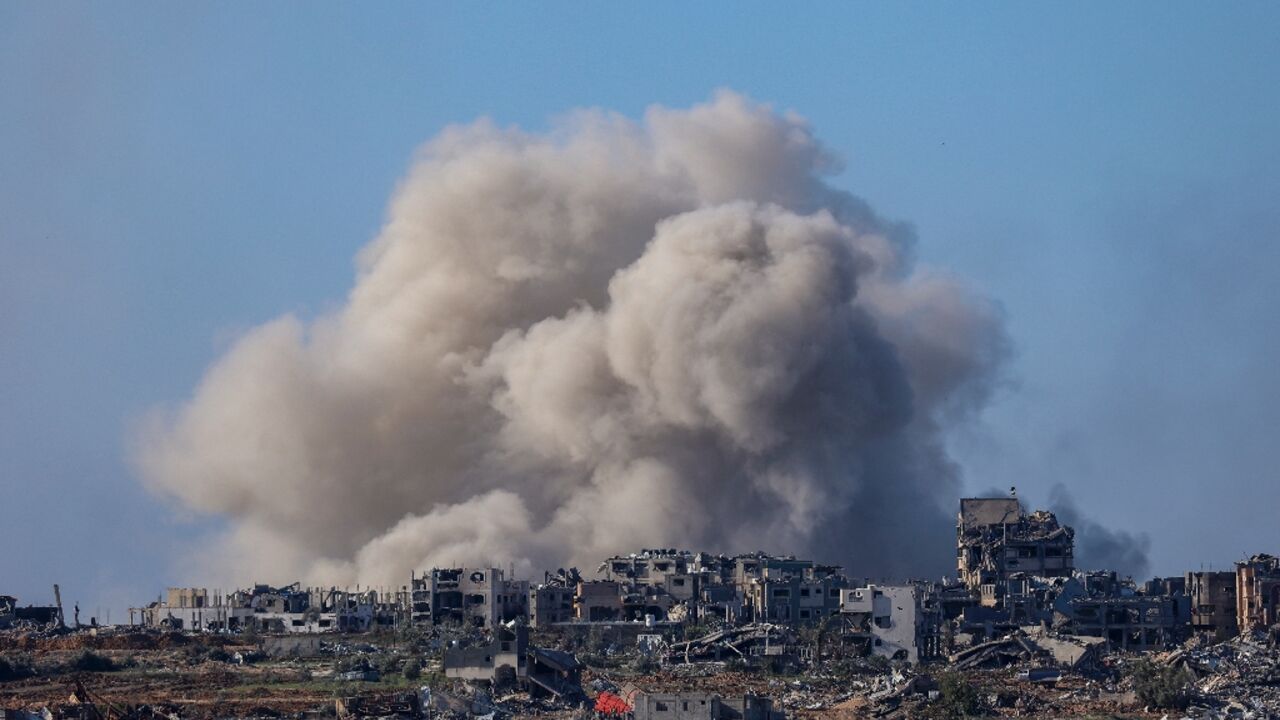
{"type": "Point", "coordinates": [509, 658]}
{"type": "Point", "coordinates": [398, 706]}
{"type": "Point", "coordinates": [41, 615]}
{"type": "Point", "coordinates": [702, 706]}
{"type": "Point", "coordinates": [478, 597]}
{"type": "Point", "coordinates": [598, 601]}
{"type": "Point", "coordinates": [293, 645]}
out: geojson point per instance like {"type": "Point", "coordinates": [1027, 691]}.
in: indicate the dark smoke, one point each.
{"type": "Point", "coordinates": [1100, 548]}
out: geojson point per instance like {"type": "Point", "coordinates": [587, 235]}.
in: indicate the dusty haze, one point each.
{"type": "Point", "coordinates": [613, 335]}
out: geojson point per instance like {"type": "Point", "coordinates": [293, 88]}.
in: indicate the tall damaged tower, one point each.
{"type": "Point", "coordinates": [1258, 592]}
{"type": "Point", "coordinates": [996, 539]}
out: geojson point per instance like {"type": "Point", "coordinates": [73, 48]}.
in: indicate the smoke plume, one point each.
{"type": "Point", "coordinates": [614, 335]}
{"type": "Point", "coordinates": [1099, 547]}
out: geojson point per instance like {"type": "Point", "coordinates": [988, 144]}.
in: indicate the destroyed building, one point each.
{"type": "Point", "coordinates": [478, 597]}
{"type": "Point", "coordinates": [654, 581]}
{"type": "Point", "coordinates": [1019, 570]}
{"type": "Point", "coordinates": [598, 601]}
{"type": "Point", "coordinates": [902, 622]}
{"type": "Point", "coordinates": [652, 586]}
{"type": "Point", "coordinates": [652, 567]}
{"type": "Point", "coordinates": [32, 615]}
{"type": "Point", "coordinates": [1029, 600]}
{"type": "Point", "coordinates": [1015, 569]}
{"type": "Point", "coordinates": [679, 585]}
{"type": "Point", "coordinates": [264, 608]}
{"type": "Point", "coordinates": [754, 643]}
{"type": "Point", "coordinates": [997, 539]}
{"type": "Point", "coordinates": [1213, 604]}
{"type": "Point", "coordinates": [191, 609]}
{"type": "Point", "coordinates": [701, 706]}
{"type": "Point", "coordinates": [510, 660]}
{"type": "Point", "coordinates": [1132, 621]}
{"type": "Point", "coordinates": [566, 597]}
{"type": "Point", "coordinates": [790, 591]}
{"type": "Point", "coordinates": [552, 600]}
{"type": "Point", "coordinates": [503, 655]}
{"type": "Point", "coordinates": [1258, 592]}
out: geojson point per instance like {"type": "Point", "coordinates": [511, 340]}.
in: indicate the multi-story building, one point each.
{"type": "Point", "coordinates": [799, 592]}
{"type": "Point", "coordinates": [479, 597]}
{"type": "Point", "coordinates": [1213, 604]}
{"type": "Point", "coordinates": [550, 604]}
{"type": "Point", "coordinates": [653, 581]}
{"type": "Point", "coordinates": [1258, 592]}
{"type": "Point", "coordinates": [904, 622]}
{"type": "Point", "coordinates": [648, 567]}
{"type": "Point", "coordinates": [197, 610]}
{"type": "Point", "coordinates": [996, 539]}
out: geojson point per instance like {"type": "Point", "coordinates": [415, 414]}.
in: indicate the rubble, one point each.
{"type": "Point", "coordinates": [412, 705]}
{"type": "Point", "coordinates": [756, 640]}
{"type": "Point", "coordinates": [1070, 652]}
{"type": "Point", "coordinates": [1238, 677]}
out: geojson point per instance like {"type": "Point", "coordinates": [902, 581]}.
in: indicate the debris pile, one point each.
{"type": "Point", "coordinates": [1019, 647]}
{"type": "Point", "coordinates": [1240, 677]}
{"type": "Point", "coordinates": [755, 640]}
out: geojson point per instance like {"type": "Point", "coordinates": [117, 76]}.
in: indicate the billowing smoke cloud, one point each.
{"type": "Point", "coordinates": [610, 336]}
{"type": "Point", "coordinates": [1098, 547]}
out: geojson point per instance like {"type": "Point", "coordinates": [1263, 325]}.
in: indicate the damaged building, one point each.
{"type": "Point", "coordinates": [509, 660]}
{"type": "Point", "coordinates": [269, 609]}
{"type": "Point", "coordinates": [901, 622]}
{"type": "Point", "coordinates": [755, 643]}
{"type": "Point", "coordinates": [1212, 596]}
{"type": "Point", "coordinates": [552, 600]}
{"type": "Point", "coordinates": [11, 614]}
{"type": "Point", "coordinates": [1019, 570]}
{"type": "Point", "coordinates": [477, 597]}
{"type": "Point", "coordinates": [997, 538]}
{"type": "Point", "coordinates": [791, 591]}
{"type": "Point", "coordinates": [1258, 592]}
{"type": "Point", "coordinates": [654, 581]}
{"type": "Point", "coordinates": [754, 587]}
{"type": "Point", "coordinates": [1132, 621]}
{"type": "Point", "coordinates": [701, 706]}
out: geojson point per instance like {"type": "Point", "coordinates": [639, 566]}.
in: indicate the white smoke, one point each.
{"type": "Point", "coordinates": [611, 336]}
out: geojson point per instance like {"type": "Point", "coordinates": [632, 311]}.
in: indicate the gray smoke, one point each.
{"type": "Point", "coordinates": [610, 336]}
{"type": "Point", "coordinates": [1098, 547]}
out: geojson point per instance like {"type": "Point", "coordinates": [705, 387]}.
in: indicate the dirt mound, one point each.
{"type": "Point", "coordinates": [31, 642]}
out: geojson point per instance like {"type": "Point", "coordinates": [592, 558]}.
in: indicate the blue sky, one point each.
{"type": "Point", "coordinates": [171, 174]}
